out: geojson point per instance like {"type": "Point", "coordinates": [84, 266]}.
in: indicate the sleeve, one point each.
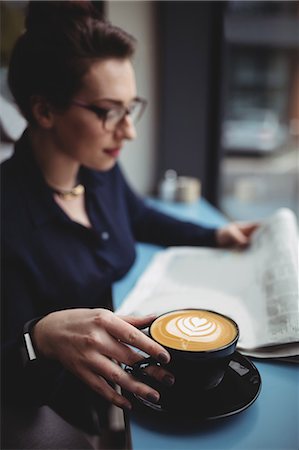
{"type": "Point", "coordinates": [22, 380]}
{"type": "Point", "coordinates": [19, 382]}
{"type": "Point", "coordinates": [40, 381]}
{"type": "Point", "coordinates": [152, 226]}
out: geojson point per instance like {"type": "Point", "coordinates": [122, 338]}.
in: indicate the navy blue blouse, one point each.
{"type": "Point", "coordinates": [50, 262]}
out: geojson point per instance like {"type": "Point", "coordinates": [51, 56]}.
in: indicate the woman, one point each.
{"type": "Point", "coordinates": [70, 225]}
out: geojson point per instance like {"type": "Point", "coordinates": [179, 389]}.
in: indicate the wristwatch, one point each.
{"type": "Point", "coordinates": [29, 353]}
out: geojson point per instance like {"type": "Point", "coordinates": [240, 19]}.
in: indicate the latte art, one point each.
{"type": "Point", "coordinates": [194, 330]}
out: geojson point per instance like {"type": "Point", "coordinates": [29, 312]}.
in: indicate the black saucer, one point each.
{"type": "Point", "coordinates": [239, 388]}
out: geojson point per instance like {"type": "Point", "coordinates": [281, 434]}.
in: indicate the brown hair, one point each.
{"type": "Point", "coordinates": [60, 41]}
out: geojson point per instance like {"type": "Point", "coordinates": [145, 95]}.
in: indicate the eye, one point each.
{"type": "Point", "coordinates": [100, 112]}
{"type": "Point", "coordinates": [115, 113]}
{"type": "Point", "coordinates": [132, 107]}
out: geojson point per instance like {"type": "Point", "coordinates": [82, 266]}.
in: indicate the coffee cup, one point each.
{"type": "Point", "coordinates": [201, 344]}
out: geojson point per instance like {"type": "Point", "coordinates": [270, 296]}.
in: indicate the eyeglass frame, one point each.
{"type": "Point", "coordinates": [102, 113]}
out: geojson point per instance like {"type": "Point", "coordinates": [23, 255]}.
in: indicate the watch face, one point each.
{"type": "Point", "coordinates": [29, 347]}
{"type": "Point", "coordinates": [28, 353]}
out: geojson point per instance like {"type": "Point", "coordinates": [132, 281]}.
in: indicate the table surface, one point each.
{"type": "Point", "coordinates": [270, 423]}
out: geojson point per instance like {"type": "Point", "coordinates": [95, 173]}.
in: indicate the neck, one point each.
{"type": "Point", "coordinates": [58, 168]}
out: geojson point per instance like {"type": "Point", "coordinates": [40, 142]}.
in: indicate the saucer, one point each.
{"type": "Point", "coordinates": [239, 388]}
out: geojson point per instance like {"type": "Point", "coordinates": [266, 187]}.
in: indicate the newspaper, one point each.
{"type": "Point", "coordinates": [257, 287]}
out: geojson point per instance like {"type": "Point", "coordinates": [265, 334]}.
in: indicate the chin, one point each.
{"type": "Point", "coordinates": [102, 166]}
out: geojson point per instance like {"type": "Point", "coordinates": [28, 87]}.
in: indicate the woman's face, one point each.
{"type": "Point", "coordinates": [81, 133]}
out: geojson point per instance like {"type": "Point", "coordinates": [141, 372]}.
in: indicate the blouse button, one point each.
{"type": "Point", "coordinates": [105, 235]}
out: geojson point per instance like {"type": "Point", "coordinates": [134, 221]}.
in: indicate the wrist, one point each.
{"type": "Point", "coordinates": [42, 338]}
{"type": "Point", "coordinates": [218, 237]}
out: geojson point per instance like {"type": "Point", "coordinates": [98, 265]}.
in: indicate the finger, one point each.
{"type": "Point", "coordinates": [129, 334]}
{"type": "Point", "coordinates": [129, 357]}
{"type": "Point", "coordinates": [114, 373]}
{"type": "Point", "coordinates": [139, 322]}
{"type": "Point", "coordinates": [121, 353]}
{"type": "Point", "coordinates": [99, 385]}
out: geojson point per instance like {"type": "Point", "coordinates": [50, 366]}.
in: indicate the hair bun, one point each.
{"type": "Point", "coordinates": [46, 15]}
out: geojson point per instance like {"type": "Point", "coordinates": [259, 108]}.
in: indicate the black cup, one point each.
{"type": "Point", "coordinates": [196, 372]}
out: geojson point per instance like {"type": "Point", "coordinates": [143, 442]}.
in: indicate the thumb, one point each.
{"type": "Point", "coordinates": [248, 229]}
{"type": "Point", "coordinates": [239, 237]}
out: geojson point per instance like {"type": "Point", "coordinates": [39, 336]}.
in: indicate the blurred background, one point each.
{"type": "Point", "coordinates": [222, 81]}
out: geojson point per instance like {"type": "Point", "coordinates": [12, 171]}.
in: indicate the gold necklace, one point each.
{"type": "Point", "coordinates": [70, 194]}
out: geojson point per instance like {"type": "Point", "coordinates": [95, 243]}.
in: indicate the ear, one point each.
{"type": "Point", "coordinates": [42, 112]}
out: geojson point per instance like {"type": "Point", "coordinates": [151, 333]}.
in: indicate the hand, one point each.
{"type": "Point", "coordinates": [235, 235]}
{"type": "Point", "coordinates": [90, 343]}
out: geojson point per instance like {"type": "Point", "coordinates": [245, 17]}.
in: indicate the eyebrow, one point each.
{"type": "Point", "coordinates": [112, 100]}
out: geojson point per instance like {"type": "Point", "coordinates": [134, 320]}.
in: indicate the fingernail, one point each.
{"type": "Point", "coordinates": [163, 358]}
{"type": "Point", "coordinates": [169, 380]}
{"type": "Point", "coordinates": [152, 397]}
{"type": "Point", "coordinates": [127, 405]}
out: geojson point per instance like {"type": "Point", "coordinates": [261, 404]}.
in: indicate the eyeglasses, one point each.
{"type": "Point", "coordinates": [111, 117]}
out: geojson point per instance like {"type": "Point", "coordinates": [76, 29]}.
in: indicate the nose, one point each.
{"type": "Point", "coordinates": [126, 129]}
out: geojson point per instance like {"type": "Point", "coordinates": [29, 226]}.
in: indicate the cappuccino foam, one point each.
{"type": "Point", "coordinates": [193, 330]}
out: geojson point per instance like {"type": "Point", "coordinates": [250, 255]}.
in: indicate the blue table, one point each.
{"type": "Point", "coordinates": [272, 422]}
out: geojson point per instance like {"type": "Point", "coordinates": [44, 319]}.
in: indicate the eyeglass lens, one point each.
{"type": "Point", "coordinates": [114, 116]}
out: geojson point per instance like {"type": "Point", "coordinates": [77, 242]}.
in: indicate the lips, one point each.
{"type": "Point", "coordinates": [113, 152]}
